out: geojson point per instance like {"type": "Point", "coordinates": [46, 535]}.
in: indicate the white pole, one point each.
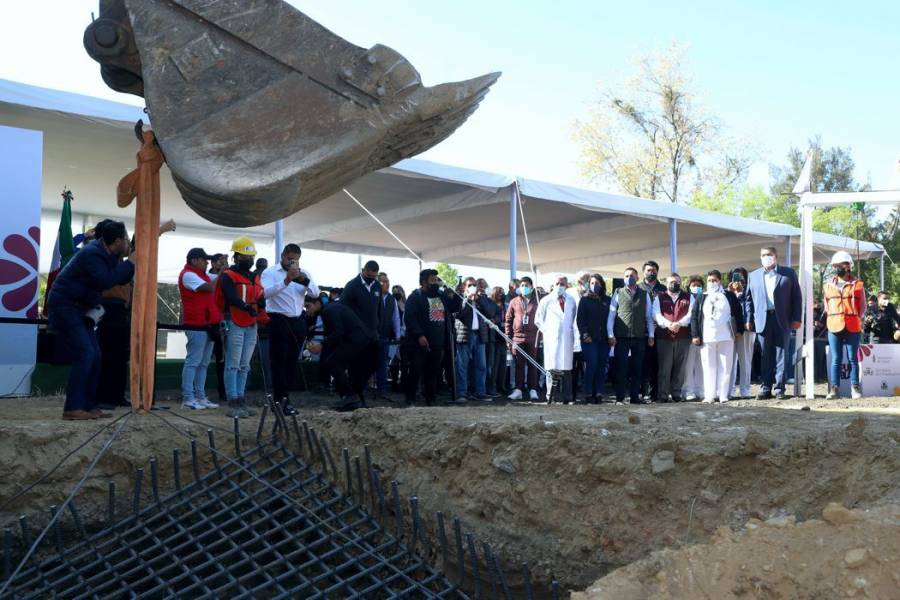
{"type": "Point", "coordinates": [279, 239]}
{"type": "Point", "coordinates": [673, 246]}
{"type": "Point", "coordinates": [806, 248]}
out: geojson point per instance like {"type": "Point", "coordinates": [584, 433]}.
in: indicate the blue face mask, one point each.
{"type": "Point", "coordinates": [630, 280]}
{"type": "Point", "coordinates": [525, 290]}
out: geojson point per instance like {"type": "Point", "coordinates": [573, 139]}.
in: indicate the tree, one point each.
{"type": "Point", "coordinates": [447, 274]}
{"type": "Point", "coordinates": [650, 138]}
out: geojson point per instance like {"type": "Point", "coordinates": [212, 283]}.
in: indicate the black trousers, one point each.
{"type": "Point", "coordinates": [114, 339]}
{"type": "Point", "coordinates": [425, 366]}
{"type": "Point", "coordinates": [351, 364]}
{"type": "Point", "coordinates": [286, 337]}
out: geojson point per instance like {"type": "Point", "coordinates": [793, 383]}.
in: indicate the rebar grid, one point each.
{"type": "Point", "coordinates": [287, 532]}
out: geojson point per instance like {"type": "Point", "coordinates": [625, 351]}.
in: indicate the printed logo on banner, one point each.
{"type": "Point", "coordinates": [19, 276]}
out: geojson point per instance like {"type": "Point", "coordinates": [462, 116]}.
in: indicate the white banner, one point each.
{"type": "Point", "coordinates": [21, 154]}
{"type": "Point", "coordinates": [879, 370]}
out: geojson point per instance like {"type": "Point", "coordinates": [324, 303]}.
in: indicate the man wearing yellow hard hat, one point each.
{"type": "Point", "coordinates": [239, 295]}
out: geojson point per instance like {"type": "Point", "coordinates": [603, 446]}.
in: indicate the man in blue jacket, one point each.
{"type": "Point", "coordinates": [773, 306]}
{"type": "Point", "coordinates": [74, 299]}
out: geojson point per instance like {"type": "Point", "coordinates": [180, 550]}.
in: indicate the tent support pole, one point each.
{"type": "Point", "coordinates": [279, 239]}
{"type": "Point", "coordinates": [788, 251]}
{"type": "Point", "coordinates": [806, 247]}
{"type": "Point", "coordinates": [673, 246]}
{"type": "Point", "coordinates": [513, 204]}
{"type": "Point", "coordinates": [881, 272]}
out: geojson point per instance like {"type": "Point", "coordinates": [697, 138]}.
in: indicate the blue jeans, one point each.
{"type": "Point", "coordinates": [81, 340]}
{"type": "Point", "coordinates": [238, 351]}
{"type": "Point", "coordinates": [471, 350]}
{"type": "Point", "coordinates": [196, 364]}
{"type": "Point", "coordinates": [837, 343]}
{"type": "Point", "coordinates": [381, 374]}
{"type": "Point", "coordinates": [774, 342]}
{"type": "Point", "coordinates": [596, 360]}
{"type": "Point", "coordinates": [629, 368]}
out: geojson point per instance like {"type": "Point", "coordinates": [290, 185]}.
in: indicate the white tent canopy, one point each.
{"type": "Point", "coordinates": [444, 213]}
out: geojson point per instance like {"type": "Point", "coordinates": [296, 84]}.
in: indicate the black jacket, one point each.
{"type": "Point", "coordinates": [593, 311]}
{"type": "Point", "coordinates": [366, 303]}
{"type": "Point", "coordinates": [428, 316]}
{"type": "Point", "coordinates": [463, 324]}
{"type": "Point", "coordinates": [881, 324]}
{"type": "Point", "coordinates": [737, 315]}
{"type": "Point", "coordinates": [88, 273]}
{"type": "Point", "coordinates": [343, 326]}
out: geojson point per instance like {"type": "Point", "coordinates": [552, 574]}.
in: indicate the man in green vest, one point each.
{"type": "Point", "coordinates": [650, 372]}
{"type": "Point", "coordinates": [631, 329]}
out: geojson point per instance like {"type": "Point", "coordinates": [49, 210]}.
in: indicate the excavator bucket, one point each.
{"type": "Point", "coordinates": [259, 110]}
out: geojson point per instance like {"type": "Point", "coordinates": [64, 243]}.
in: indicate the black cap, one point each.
{"type": "Point", "coordinates": [198, 253]}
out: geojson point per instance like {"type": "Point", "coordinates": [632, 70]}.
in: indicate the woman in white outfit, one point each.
{"type": "Point", "coordinates": [693, 374]}
{"type": "Point", "coordinates": [717, 320]}
{"type": "Point", "coordinates": [743, 346]}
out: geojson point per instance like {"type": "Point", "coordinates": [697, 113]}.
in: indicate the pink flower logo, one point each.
{"type": "Point", "coordinates": [19, 275]}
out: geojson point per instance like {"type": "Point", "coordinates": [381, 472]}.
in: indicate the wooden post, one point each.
{"type": "Point", "coordinates": [143, 183]}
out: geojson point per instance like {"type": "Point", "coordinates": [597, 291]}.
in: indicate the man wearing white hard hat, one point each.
{"type": "Point", "coordinates": [773, 306]}
{"type": "Point", "coordinates": [845, 303]}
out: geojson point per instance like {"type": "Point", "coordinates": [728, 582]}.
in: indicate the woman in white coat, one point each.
{"type": "Point", "coordinates": [555, 318]}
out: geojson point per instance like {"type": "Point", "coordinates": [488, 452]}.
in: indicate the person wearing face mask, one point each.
{"type": "Point", "coordinates": [388, 334]}
{"type": "Point", "coordinates": [672, 313]}
{"type": "Point", "coordinates": [774, 306]}
{"type": "Point", "coordinates": [521, 329]}
{"type": "Point", "coordinates": [693, 372]}
{"type": "Point", "coordinates": [578, 291]}
{"type": "Point", "coordinates": [362, 295]}
{"type": "Point", "coordinates": [240, 298]}
{"type": "Point", "coordinates": [845, 303]}
{"type": "Point", "coordinates": [591, 316]}
{"type": "Point", "coordinates": [426, 315]}
{"type": "Point", "coordinates": [472, 332]}
{"type": "Point", "coordinates": [650, 283]}
{"type": "Point", "coordinates": [717, 320]}
{"type": "Point", "coordinates": [630, 330]}
{"type": "Point", "coordinates": [882, 322]}
{"type": "Point", "coordinates": [496, 348]}
{"type": "Point", "coordinates": [743, 347]}
{"type": "Point", "coordinates": [399, 366]}
{"type": "Point", "coordinates": [555, 319]}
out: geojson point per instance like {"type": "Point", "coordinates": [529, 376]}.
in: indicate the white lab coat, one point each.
{"type": "Point", "coordinates": [573, 292]}
{"type": "Point", "coordinates": [558, 331]}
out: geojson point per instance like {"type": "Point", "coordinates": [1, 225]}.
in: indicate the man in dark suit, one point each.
{"type": "Point", "coordinates": [773, 306]}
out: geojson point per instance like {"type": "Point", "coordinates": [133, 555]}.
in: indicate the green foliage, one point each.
{"type": "Point", "coordinates": [447, 273]}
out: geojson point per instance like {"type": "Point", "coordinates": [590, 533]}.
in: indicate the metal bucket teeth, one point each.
{"type": "Point", "coordinates": [260, 110]}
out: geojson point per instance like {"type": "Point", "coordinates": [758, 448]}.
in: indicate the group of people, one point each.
{"type": "Point", "coordinates": [666, 342]}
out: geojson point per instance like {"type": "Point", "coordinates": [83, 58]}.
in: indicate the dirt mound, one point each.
{"type": "Point", "coordinates": [847, 554]}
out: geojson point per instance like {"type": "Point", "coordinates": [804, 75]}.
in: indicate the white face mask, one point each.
{"type": "Point", "coordinates": [560, 290]}
{"type": "Point", "coordinates": [471, 290]}
{"type": "Point", "coordinates": [714, 287]}
{"type": "Point", "coordinates": [767, 260]}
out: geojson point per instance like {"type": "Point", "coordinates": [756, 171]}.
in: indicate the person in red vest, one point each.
{"type": "Point", "coordinates": [845, 303]}
{"type": "Point", "coordinates": [672, 313]}
{"type": "Point", "coordinates": [198, 308]}
{"type": "Point", "coordinates": [239, 295]}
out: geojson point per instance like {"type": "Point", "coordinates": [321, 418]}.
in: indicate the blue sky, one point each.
{"type": "Point", "coordinates": [775, 72]}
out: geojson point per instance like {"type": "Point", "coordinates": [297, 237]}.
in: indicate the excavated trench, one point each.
{"type": "Point", "coordinates": [574, 492]}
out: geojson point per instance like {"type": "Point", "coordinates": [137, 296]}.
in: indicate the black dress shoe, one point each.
{"type": "Point", "coordinates": [780, 396]}
{"type": "Point", "coordinates": [764, 396]}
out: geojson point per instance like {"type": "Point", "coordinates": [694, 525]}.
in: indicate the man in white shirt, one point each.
{"type": "Point", "coordinates": [286, 286]}
{"type": "Point", "coordinates": [196, 288]}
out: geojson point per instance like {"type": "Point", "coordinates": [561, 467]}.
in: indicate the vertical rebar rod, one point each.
{"type": "Point", "coordinates": [136, 499]}
{"type": "Point", "coordinates": [176, 468]}
{"type": "Point", "coordinates": [526, 581]}
{"type": "Point", "coordinates": [331, 465]}
{"type": "Point", "coordinates": [195, 464]}
{"type": "Point", "coordinates": [414, 535]}
{"type": "Point", "coordinates": [262, 422]}
{"type": "Point", "coordinates": [442, 538]}
{"type": "Point", "coordinates": [398, 509]}
{"type": "Point", "coordinates": [154, 481]}
{"type": "Point", "coordinates": [297, 435]}
{"type": "Point", "coordinates": [212, 451]}
{"type": "Point", "coordinates": [57, 532]}
{"type": "Point", "coordinates": [382, 503]}
{"type": "Point", "coordinates": [348, 472]}
{"type": "Point", "coordinates": [237, 439]}
{"type": "Point", "coordinates": [368, 456]}
{"type": "Point", "coordinates": [493, 576]}
{"type": "Point", "coordinates": [111, 502]}
{"type": "Point", "coordinates": [359, 481]}
{"type": "Point", "coordinates": [554, 589]}
{"type": "Point", "coordinates": [460, 551]}
{"type": "Point", "coordinates": [476, 572]}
